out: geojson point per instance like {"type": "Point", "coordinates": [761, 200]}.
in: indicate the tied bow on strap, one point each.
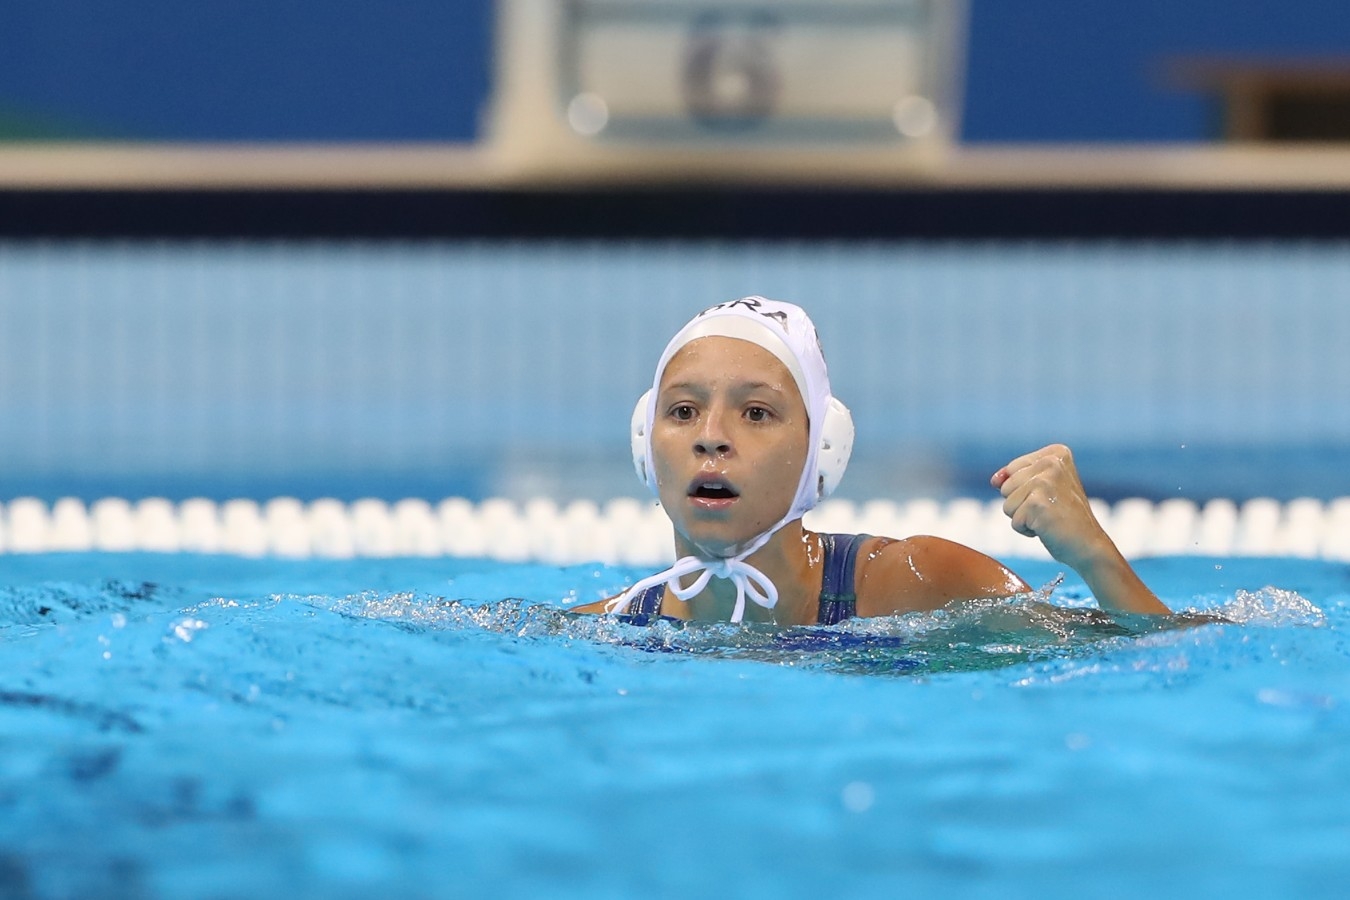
{"type": "Point", "coordinates": [747, 578]}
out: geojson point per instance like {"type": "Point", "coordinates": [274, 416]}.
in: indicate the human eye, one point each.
{"type": "Point", "coordinates": [758, 413]}
{"type": "Point", "coordinates": [682, 412]}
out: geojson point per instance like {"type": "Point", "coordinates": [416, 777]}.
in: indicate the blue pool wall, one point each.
{"type": "Point", "coordinates": [345, 70]}
{"type": "Point", "coordinates": [476, 368]}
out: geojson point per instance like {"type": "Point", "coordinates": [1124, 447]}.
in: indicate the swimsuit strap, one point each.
{"type": "Point", "coordinates": [838, 600]}
{"type": "Point", "coordinates": [646, 606]}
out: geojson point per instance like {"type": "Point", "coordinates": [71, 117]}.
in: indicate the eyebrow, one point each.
{"type": "Point", "coordinates": [696, 387]}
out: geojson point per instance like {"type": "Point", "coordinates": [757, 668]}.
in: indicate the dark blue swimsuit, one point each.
{"type": "Point", "coordinates": [837, 598]}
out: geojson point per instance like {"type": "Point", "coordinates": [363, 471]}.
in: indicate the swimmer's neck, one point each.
{"type": "Point", "coordinates": [791, 560]}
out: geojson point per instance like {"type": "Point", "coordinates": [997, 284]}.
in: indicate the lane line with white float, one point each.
{"type": "Point", "coordinates": [627, 531]}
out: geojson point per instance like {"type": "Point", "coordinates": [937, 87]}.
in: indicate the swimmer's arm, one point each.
{"type": "Point", "coordinates": [596, 608]}
{"type": "Point", "coordinates": [1044, 497]}
{"type": "Point", "coordinates": [924, 573]}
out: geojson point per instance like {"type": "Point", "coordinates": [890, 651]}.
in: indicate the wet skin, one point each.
{"type": "Point", "coordinates": [728, 444]}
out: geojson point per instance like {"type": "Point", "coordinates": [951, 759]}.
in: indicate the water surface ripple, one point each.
{"type": "Point", "coordinates": [203, 726]}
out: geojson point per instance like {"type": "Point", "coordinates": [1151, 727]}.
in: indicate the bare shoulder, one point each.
{"type": "Point", "coordinates": [924, 573]}
{"type": "Point", "coordinates": [596, 607]}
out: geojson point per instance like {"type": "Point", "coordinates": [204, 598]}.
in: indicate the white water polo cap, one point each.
{"type": "Point", "coordinates": [787, 332]}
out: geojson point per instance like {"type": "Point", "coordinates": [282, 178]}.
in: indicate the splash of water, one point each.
{"type": "Point", "coordinates": [965, 636]}
{"type": "Point", "coordinates": [1272, 606]}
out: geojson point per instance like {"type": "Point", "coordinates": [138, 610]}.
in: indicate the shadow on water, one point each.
{"type": "Point", "coordinates": [963, 637]}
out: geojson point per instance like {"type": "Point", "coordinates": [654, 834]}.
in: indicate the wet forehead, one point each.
{"type": "Point", "coordinates": [723, 361]}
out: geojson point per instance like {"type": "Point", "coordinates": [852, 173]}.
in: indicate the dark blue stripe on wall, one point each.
{"type": "Point", "coordinates": [1046, 70]}
{"type": "Point", "coordinates": [695, 213]}
{"type": "Point", "coordinates": [346, 70]}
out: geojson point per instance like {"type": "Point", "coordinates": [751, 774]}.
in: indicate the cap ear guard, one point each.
{"type": "Point", "coordinates": [836, 445]}
{"type": "Point", "coordinates": [637, 435]}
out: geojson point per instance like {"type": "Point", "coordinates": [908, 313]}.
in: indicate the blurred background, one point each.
{"type": "Point", "coordinates": [346, 249]}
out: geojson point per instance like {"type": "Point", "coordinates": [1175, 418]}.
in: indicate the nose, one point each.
{"type": "Point", "coordinates": [712, 439]}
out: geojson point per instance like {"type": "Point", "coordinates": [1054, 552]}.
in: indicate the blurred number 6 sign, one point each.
{"type": "Point", "coordinates": [729, 75]}
{"type": "Point", "coordinates": [748, 70]}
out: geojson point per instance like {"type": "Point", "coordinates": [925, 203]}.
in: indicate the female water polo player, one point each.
{"type": "Point", "coordinates": [740, 436]}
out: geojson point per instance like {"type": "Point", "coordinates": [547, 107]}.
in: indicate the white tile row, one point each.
{"type": "Point", "coordinates": [627, 530]}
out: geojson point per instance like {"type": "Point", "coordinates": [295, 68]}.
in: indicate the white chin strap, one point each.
{"type": "Point", "coordinates": [749, 581]}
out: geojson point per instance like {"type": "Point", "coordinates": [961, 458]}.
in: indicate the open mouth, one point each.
{"type": "Point", "coordinates": [713, 489]}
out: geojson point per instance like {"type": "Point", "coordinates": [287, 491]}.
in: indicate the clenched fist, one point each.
{"type": "Point", "coordinates": [1045, 499]}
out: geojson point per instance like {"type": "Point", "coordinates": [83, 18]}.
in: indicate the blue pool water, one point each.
{"type": "Point", "coordinates": [208, 726]}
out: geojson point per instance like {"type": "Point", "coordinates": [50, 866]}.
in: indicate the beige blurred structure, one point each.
{"type": "Point", "coordinates": [658, 89]}
{"type": "Point", "coordinates": [597, 93]}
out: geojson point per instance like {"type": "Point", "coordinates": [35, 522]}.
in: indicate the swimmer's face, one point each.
{"type": "Point", "coordinates": [729, 442]}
